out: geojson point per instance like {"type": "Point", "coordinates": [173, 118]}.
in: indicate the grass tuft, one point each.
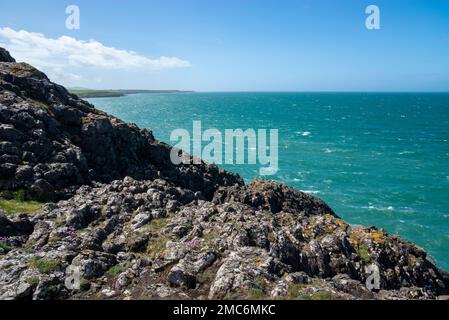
{"type": "Point", "coordinates": [157, 246]}
{"type": "Point", "coordinates": [364, 254]}
{"type": "Point", "coordinates": [18, 204]}
{"type": "Point", "coordinates": [46, 266]}
{"type": "Point", "coordinates": [117, 269]}
{"type": "Point", "coordinates": [4, 246]}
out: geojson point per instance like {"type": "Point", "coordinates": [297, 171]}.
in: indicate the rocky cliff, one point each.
{"type": "Point", "coordinates": [133, 225]}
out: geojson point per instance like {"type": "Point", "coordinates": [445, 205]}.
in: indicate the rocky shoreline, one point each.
{"type": "Point", "coordinates": [135, 226]}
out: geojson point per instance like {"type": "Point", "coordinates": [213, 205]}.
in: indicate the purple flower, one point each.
{"type": "Point", "coordinates": [71, 233]}
{"type": "Point", "coordinates": [192, 243]}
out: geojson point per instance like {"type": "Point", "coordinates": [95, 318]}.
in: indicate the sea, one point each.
{"type": "Point", "coordinates": [377, 159]}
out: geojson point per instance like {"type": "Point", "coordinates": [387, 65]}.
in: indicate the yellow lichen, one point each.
{"type": "Point", "coordinates": [378, 237]}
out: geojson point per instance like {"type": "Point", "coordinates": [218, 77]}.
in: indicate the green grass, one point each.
{"type": "Point", "coordinates": [52, 292]}
{"type": "Point", "coordinates": [158, 242]}
{"type": "Point", "coordinates": [156, 246]}
{"type": "Point", "coordinates": [256, 294]}
{"type": "Point", "coordinates": [84, 284]}
{"type": "Point", "coordinates": [46, 266]}
{"type": "Point", "coordinates": [4, 246]}
{"type": "Point", "coordinates": [364, 254]}
{"type": "Point", "coordinates": [294, 290]}
{"type": "Point", "coordinates": [117, 269]}
{"type": "Point", "coordinates": [33, 281]}
{"type": "Point", "coordinates": [87, 93]}
{"type": "Point", "coordinates": [95, 93]}
{"type": "Point", "coordinates": [156, 225]}
{"type": "Point", "coordinates": [41, 105]}
{"type": "Point", "coordinates": [18, 204]}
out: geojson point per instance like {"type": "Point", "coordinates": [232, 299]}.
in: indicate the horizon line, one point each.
{"type": "Point", "coordinates": [270, 91]}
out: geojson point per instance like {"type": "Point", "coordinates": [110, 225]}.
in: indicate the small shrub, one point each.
{"type": "Point", "coordinates": [156, 246]}
{"type": "Point", "coordinates": [52, 291]}
{"type": "Point", "coordinates": [5, 246]}
{"type": "Point", "coordinates": [156, 225]}
{"type": "Point", "coordinates": [117, 269]}
{"type": "Point", "coordinates": [294, 290]}
{"type": "Point", "coordinates": [364, 254]}
{"type": "Point", "coordinates": [46, 265]}
{"type": "Point", "coordinates": [210, 236]}
{"type": "Point", "coordinates": [84, 284]}
{"type": "Point", "coordinates": [20, 195]}
{"type": "Point", "coordinates": [33, 281]}
{"type": "Point", "coordinates": [258, 292]}
{"type": "Point", "coordinates": [19, 205]}
{"type": "Point", "coordinates": [41, 105]}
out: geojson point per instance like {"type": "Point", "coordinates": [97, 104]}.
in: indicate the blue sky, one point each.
{"type": "Point", "coordinates": [235, 45]}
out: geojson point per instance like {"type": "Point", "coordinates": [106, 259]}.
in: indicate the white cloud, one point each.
{"type": "Point", "coordinates": [54, 55]}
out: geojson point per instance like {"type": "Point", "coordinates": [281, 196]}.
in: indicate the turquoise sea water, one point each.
{"type": "Point", "coordinates": [377, 158]}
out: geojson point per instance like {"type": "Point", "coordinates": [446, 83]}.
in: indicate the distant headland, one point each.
{"type": "Point", "coordinates": [91, 93]}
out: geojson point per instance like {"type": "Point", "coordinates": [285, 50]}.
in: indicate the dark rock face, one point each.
{"type": "Point", "coordinates": [51, 142]}
{"type": "Point", "coordinates": [133, 225]}
{"type": "Point", "coordinates": [5, 56]}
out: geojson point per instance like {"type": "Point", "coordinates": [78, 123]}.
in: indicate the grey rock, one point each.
{"type": "Point", "coordinates": [93, 264]}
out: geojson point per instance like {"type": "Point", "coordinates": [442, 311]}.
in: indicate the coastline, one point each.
{"type": "Point", "coordinates": [133, 223]}
{"type": "Point", "coordinates": [387, 151]}
{"type": "Point", "coordinates": [87, 93]}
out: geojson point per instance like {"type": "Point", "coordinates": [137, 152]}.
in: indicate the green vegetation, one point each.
{"type": "Point", "coordinates": [364, 254]}
{"type": "Point", "coordinates": [95, 93]}
{"type": "Point", "coordinates": [156, 246]}
{"type": "Point", "coordinates": [210, 236]}
{"type": "Point", "coordinates": [59, 221]}
{"type": "Point", "coordinates": [84, 284]}
{"type": "Point", "coordinates": [4, 246]}
{"type": "Point", "coordinates": [88, 93]}
{"type": "Point", "coordinates": [52, 291]}
{"type": "Point", "coordinates": [158, 242]}
{"type": "Point", "coordinates": [28, 247]}
{"type": "Point", "coordinates": [33, 281]}
{"type": "Point", "coordinates": [294, 290]}
{"type": "Point", "coordinates": [46, 265]}
{"type": "Point", "coordinates": [18, 204]}
{"type": "Point", "coordinates": [117, 269]}
{"type": "Point", "coordinates": [156, 225]}
{"type": "Point", "coordinates": [258, 292]}
{"type": "Point", "coordinates": [41, 105]}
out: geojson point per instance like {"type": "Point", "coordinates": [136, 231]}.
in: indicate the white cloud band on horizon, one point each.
{"type": "Point", "coordinates": [54, 55]}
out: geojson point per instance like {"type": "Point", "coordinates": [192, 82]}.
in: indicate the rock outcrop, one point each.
{"type": "Point", "coordinates": [51, 142]}
{"type": "Point", "coordinates": [125, 223]}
